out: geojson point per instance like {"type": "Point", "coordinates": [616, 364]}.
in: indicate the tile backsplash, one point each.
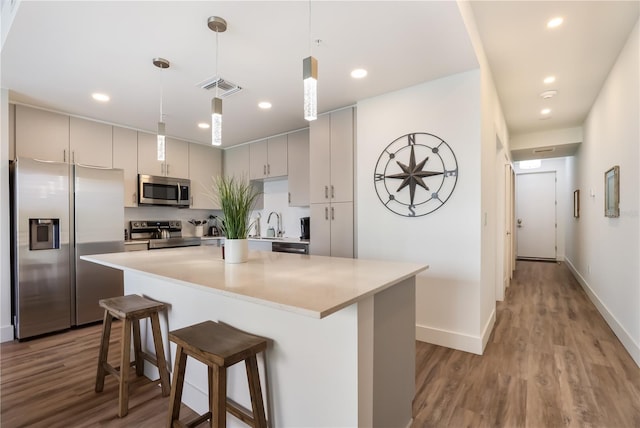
{"type": "Point", "coordinates": [276, 199]}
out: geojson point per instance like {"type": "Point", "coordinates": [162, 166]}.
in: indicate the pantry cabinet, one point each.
{"type": "Point", "coordinates": [125, 157]}
{"type": "Point", "coordinates": [331, 169]}
{"type": "Point", "coordinates": [298, 168]}
{"type": "Point", "coordinates": [205, 164]}
{"type": "Point", "coordinates": [332, 229]}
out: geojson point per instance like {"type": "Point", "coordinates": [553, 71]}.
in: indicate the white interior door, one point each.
{"type": "Point", "coordinates": [536, 215]}
{"type": "Point", "coordinates": [508, 220]}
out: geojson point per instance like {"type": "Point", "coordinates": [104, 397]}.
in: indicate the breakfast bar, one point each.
{"type": "Point", "coordinates": [341, 331]}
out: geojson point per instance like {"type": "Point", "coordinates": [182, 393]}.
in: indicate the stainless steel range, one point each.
{"type": "Point", "coordinates": [161, 233]}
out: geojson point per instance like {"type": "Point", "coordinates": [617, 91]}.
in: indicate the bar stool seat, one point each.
{"type": "Point", "coordinates": [218, 346]}
{"type": "Point", "coordinates": [131, 309]}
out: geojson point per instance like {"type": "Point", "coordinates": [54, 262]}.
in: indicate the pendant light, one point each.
{"type": "Point", "coordinates": [310, 80]}
{"type": "Point", "coordinates": [219, 25]}
{"type": "Point", "coordinates": [161, 63]}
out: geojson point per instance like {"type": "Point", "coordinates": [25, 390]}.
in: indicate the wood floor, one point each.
{"type": "Point", "coordinates": [551, 361]}
{"type": "Point", "coordinates": [49, 382]}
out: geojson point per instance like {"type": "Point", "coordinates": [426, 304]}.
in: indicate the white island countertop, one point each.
{"type": "Point", "coordinates": [314, 286]}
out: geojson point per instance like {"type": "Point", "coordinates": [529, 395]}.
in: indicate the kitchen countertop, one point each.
{"type": "Point", "coordinates": [314, 286]}
{"type": "Point", "coordinates": [264, 238]}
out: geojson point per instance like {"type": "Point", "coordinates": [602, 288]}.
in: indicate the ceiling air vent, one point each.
{"type": "Point", "coordinates": [544, 150]}
{"type": "Point", "coordinates": [225, 87]}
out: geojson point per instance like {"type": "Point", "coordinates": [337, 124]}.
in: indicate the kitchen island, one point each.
{"type": "Point", "coordinates": [342, 331]}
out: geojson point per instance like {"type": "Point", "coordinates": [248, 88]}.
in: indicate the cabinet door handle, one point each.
{"type": "Point", "coordinates": [73, 156]}
{"type": "Point", "coordinates": [268, 169]}
{"type": "Point", "coordinates": [289, 197]}
{"type": "Point", "coordinates": [326, 192]}
{"type": "Point", "coordinates": [333, 213]}
{"type": "Point", "coordinates": [167, 169]}
{"type": "Point", "coordinates": [326, 213]}
{"type": "Point", "coordinates": [64, 155]}
{"type": "Point", "coordinates": [133, 197]}
{"type": "Point", "coordinates": [264, 170]}
{"type": "Point", "coordinates": [162, 168]}
{"type": "Point", "coordinates": [332, 192]}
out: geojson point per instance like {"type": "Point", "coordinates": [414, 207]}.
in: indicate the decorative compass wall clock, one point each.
{"type": "Point", "coordinates": [416, 174]}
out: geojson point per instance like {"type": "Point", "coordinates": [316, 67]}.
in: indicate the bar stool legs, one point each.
{"type": "Point", "coordinates": [219, 347]}
{"type": "Point", "coordinates": [130, 309]}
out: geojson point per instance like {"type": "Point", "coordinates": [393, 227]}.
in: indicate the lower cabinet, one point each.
{"type": "Point", "coordinates": [332, 229]}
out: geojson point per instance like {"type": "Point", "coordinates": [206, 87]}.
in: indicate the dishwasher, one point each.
{"type": "Point", "coordinates": [290, 247]}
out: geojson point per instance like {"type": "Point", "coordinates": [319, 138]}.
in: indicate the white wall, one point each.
{"type": "Point", "coordinates": [448, 240]}
{"type": "Point", "coordinates": [604, 252]}
{"type": "Point", "coordinates": [564, 195]}
{"type": "Point", "coordinates": [493, 129]}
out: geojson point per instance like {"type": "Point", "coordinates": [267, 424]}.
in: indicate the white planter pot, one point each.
{"type": "Point", "coordinates": [236, 250]}
{"type": "Point", "coordinates": [199, 230]}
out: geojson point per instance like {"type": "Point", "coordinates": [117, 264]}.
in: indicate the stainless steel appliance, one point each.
{"type": "Point", "coordinates": [162, 234]}
{"type": "Point", "coordinates": [305, 228]}
{"type": "Point", "coordinates": [99, 216]}
{"type": "Point", "coordinates": [50, 229]}
{"type": "Point", "coordinates": [167, 191]}
{"type": "Point", "coordinates": [289, 247]}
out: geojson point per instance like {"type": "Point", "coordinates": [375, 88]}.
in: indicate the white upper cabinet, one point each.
{"type": "Point", "coordinates": [320, 152]}
{"type": "Point", "coordinates": [41, 134]}
{"type": "Point", "coordinates": [236, 162]}
{"type": "Point", "coordinates": [205, 164]}
{"type": "Point", "coordinates": [91, 143]}
{"type": "Point", "coordinates": [177, 155]}
{"type": "Point", "coordinates": [176, 163]}
{"type": "Point", "coordinates": [268, 158]}
{"type": "Point", "coordinates": [298, 159]}
{"type": "Point", "coordinates": [342, 143]}
{"type": "Point", "coordinates": [125, 157]}
{"type": "Point", "coordinates": [331, 148]}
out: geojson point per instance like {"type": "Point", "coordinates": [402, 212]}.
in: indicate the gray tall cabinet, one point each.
{"type": "Point", "coordinates": [331, 148]}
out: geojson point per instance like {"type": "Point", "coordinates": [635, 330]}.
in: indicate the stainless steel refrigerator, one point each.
{"type": "Point", "coordinates": [58, 213]}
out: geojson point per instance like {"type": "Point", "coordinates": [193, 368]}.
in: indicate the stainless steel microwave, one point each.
{"type": "Point", "coordinates": [168, 191]}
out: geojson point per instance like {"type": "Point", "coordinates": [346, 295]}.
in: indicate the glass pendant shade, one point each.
{"type": "Point", "coordinates": [161, 141]}
{"type": "Point", "coordinates": [310, 76]}
{"type": "Point", "coordinates": [216, 121]}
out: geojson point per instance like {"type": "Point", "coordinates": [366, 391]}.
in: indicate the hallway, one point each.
{"type": "Point", "coordinates": [550, 361]}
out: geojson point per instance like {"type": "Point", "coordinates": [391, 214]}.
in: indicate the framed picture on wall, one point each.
{"type": "Point", "coordinates": [576, 203]}
{"type": "Point", "coordinates": [612, 192]}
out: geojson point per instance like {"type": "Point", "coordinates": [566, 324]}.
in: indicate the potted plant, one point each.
{"type": "Point", "coordinates": [237, 198]}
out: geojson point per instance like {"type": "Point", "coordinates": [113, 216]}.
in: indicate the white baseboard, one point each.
{"type": "Point", "coordinates": [6, 333]}
{"type": "Point", "coordinates": [456, 340]}
{"type": "Point", "coordinates": [622, 334]}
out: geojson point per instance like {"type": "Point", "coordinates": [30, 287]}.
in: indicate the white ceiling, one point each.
{"type": "Point", "coordinates": [58, 53]}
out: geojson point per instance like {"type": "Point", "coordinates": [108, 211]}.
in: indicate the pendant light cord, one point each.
{"type": "Point", "coordinates": [217, 51]}
{"type": "Point", "coordinates": [310, 45]}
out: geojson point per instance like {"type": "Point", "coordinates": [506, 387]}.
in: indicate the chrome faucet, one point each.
{"type": "Point", "coordinates": [279, 230]}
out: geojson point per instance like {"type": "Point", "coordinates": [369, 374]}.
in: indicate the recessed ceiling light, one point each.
{"type": "Point", "coordinates": [555, 22]}
{"type": "Point", "coordinates": [549, 79]}
{"type": "Point", "coordinates": [204, 125]}
{"type": "Point", "coordinates": [100, 97]}
{"type": "Point", "coordinates": [545, 111]}
{"type": "Point", "coordinates": [359, 73]}
{"type": "Point", "coordinates": [264, 105]}
{"type": "Point", "coordinates": [548, 94]}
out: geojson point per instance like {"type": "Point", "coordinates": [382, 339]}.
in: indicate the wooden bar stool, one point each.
{"type": "Point", "coordinates": [131, 309]}
{"type": "Point", "coordinates": [218, 346]}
